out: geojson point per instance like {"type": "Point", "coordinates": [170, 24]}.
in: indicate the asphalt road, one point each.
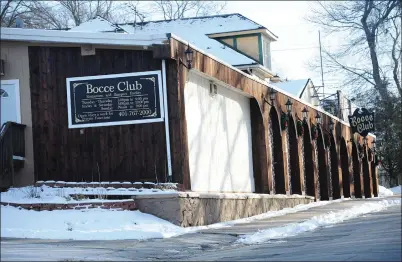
{"type": "Point", "coordinates": [373, 237]}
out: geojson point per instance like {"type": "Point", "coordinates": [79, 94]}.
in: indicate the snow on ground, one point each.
{"type": "Point", "coordinates": [383, 192]}
{"type": "Point", "coordinates": [316, 222]}
{"type": "Point", "coordinates": [269, 214]}
{"type": "Point", "coordinates": [90, 224]}
{"type": "Point", "coordinates": [397, 189]}
{"type": "Point", "coordinates": [103, 224]}
{"type": "Point", "coordinates": [45, 194]}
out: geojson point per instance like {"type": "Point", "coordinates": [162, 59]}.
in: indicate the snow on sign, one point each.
{"type": "Point", "coordinates": [119, 99]}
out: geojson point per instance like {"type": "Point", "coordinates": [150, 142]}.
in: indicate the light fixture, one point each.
{"type": "Point", "coordinates": [289, 106]}
{"type": "Point", "coordinates": [305, 113]}
{"type": "Point", "coordinates": [331, 124]}
{"type": "Point", "coordinates": [365, 140]}
{"type": "Point", "coordinates": [272, 94]}
{"type": "Point", "coordinates": [189, 56]}
{"type": "Point", "coordinates": [373, 144]}
{"type": "Point", "coordinates": [2, 67]}
{"type": "Point", "coordinates": [318, 119]}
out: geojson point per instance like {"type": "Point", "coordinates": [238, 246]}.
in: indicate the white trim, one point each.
{"type": "Point", "coordinates": [245, 32]}
{"type": "Point", "coordinates": [59, 36]}
{"type": "Point", "coordinates": [16, 83]}
{"type": "Point", "coordinates": [114, 123]}
{"type": "Point", "coordinates": [168, 154]}
{"type": "Point", "coordinates": [256, 66]}
{"type": "Point", "coordinates": [261, 82]}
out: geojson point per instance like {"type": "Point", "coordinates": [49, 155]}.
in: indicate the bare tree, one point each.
{"type": "Point", "coordinates": [10, 10]}
{"type": "Point", "coordinates": [61, 14]}
{"type": "Point", "coordinates": [396, 54]}
{"type": "Point", "coordinates": [369, 60]}
{"type": "Point", "coordinates": [55, 14]}
{"type": "Point", "coordinates": [182, 9]}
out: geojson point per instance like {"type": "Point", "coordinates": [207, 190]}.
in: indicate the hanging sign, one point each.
{"type": "Point", "coordinates": [119, 99]}
{"type": "Point", "coordinates": [362, 121]}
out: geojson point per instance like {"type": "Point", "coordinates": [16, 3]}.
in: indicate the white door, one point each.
{"type": "Point", "coordinates": [219, 138]}
{"type": "Point", "coordinates": [10, 101]}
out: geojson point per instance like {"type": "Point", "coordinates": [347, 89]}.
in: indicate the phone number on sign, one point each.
{"type": "Point", "coordinates": [136, 113]}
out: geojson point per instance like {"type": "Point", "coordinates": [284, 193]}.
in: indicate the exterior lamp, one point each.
{"type": "Point", "coordinates": [272, 94]}
{"type": "Point", "coordinates": [331, 124]}
{"type": "Point", "coordinates": [365, 141]}
{"type": "Point", "coordinates": [189, 56]}
{"type": "Point", "coordinates": [289, 106]}
{"type": "Point", "coordinates": [305, 113]}
{"type": "Point", "coordinates": [318, 119]}
{"type": "Point", "coordinates": [373, 143]}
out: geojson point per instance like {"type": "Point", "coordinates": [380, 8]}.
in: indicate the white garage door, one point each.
{"type": "Point", "coordinates": [219, 138]}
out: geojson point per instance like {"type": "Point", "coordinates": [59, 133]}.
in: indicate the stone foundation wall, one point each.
{"type": "Point", "coordinates": [192, 209]}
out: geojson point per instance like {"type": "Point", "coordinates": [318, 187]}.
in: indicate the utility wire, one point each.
{"type": "Point", "coordinates": [302, 48]}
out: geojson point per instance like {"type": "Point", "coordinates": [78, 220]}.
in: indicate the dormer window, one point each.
{"type": "Point", "coordinates": [266, 45]}
{"type": "Point", "coordinates": [255, 44]}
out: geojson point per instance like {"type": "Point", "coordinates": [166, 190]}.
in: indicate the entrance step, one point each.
{"type": "Point", "coordinates": [117, 205]}
{"type": "Point", "coordinates": [137, 185]}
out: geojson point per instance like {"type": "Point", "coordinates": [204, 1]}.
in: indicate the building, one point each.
{"type": "Point", "coordinates": [301, 88]}
{"type": "Point", "coordinates": [213, 119]}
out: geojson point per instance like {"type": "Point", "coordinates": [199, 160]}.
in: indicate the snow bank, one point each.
{"type": "Point", "coordinates": [316, 222]}
{"type": "Point", "coordinates": [101, 224]}
{"type": "Point", "coordinates": [90, 224]}
{"type": "Point", "coordinates": [397, 189]}
{"type": "Point", "coordinates": [383, 192]}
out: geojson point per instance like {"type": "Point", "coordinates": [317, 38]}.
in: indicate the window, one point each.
{"type": "Point", "coordinates": [228, 41]}
{"type": "Point", "coordinates": [266, 46]}
{"type": "Point", "coordinates": [248, 45]}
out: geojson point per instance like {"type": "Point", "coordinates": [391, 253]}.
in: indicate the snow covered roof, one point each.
{"type": "Point", "coordinates": [98, 24]}
{"type": "Point", "coordinates": [193, 30]}
{"type": "Point", "coordinates": [56, 36]}
{"type": "Point", "coordinates": [294, 87]}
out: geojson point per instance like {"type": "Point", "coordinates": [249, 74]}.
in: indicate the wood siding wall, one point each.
{"type": "Point", "coordinates": [260, 92]}
{"type": "Point", "coordinates": [114, 153]}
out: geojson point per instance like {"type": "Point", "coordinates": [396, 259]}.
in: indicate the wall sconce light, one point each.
{"type": "Point", "coordinates": [189, 56]}
{"type": "Point", "coordinates": [360, 151]}
{"type": "Point", "coordinates": [2, 73]}
{"type": "Point", "coordinates": [272, 95]}
{"type": "Point", "coordinates": [305, 113]}
{"type": "Point", "coordinates": [365, 141]}
{"type": "Point", "coordinates": [289, 106]}
{"type": "Point", "coordinates": [331, 125]}
{"type": "Point", "coordinates": [373, 144]}
{"type": "Point", "coordinates": [318, 119]}
{"type": "Point", "coordinates": [213, 89]}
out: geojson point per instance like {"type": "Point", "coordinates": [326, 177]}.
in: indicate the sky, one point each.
{"type": "Point", "coordinates": [298, 41]}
